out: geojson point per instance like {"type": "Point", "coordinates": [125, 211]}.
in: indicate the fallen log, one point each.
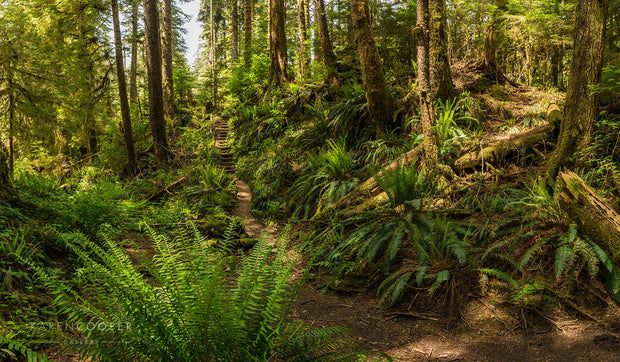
{"type": "Point", "coordinates": [370, 188]}
{"type": "Point", "coordinates": [591, 213]}
{"type": "Point", "coordinates": [499, 148]}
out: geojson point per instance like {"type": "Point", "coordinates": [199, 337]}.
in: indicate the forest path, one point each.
{"type": "Point", "coordinates": [485, 331]}
{"type": "Point", "coordinates": [243, 206]}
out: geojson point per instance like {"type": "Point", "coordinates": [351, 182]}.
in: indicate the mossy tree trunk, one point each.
{"type": "Point", "coordinates": [234, 35]}
{"type": "Point", "coordinates": [6, 188]}
{"type": "Point", "coordinates": [440, 74]}
{"type": "Point", "coordinates": [168, 83]}
{"type": "Point", "coordinates": [278, 69]}
{"type": "Point", "coordinates": [327, 51]}
{"type": "Point", "coordinates": [427, 113]}
{"type": "Point", "coordinates": [154, 70]}
{"type": "Point", "coordinates": [591, 213]}
{"type": "Point", "coordinates": [581, 104]}
{"type": "Point", "coordinates": [379, 100]}
{"type": "Point", "coordinates": [490, 63]}
{"type": "Point", "coordinates": [126, 129]}
{"type": "Point", "coordinates": [248, 11]}
{"type": "Point", "coordinates": [133, 72]}
{"type": "Point", "coordinates": [302, 27]}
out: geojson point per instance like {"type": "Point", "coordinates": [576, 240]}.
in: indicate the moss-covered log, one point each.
{"type": "Point", "coordinates": [590, 212]}
{"type": "Point", "coordinates": [499, 149]}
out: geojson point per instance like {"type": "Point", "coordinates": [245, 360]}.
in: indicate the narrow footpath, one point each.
{"type": "Point", "coordinates": [243, 207]}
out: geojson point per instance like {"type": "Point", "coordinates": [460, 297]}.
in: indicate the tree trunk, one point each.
{"type": "Point", "coordinates": [591, 213]}
{"type": "Point", "coordinates": [126, 129]}
{"type": "Point", "coordinates": [427, 113]}
{"type": "Point", "coordinates": [379, 100]}
{"type": "Point", "coordinates": [234, 37]}
{"type": "Point", "coordinates": [278, 70]}
{"type": "Point", "coordinates": [247, 31]}
{"type": "Point", "coordinates": [133, 72]}
{"type": "Point", "coordinates": [581, 104]}
{"type": "Point", "coordinates": [168, 83]}
{"type": "Point", "coordinates": [6, 188]}
{"type": "Point", "coordinates": [213, 54]}
{"type": "Point", "coordinates": [327, 51]}
{"type": "Point", "coordinates": [440, 75]}
{"type": "Point", "coordinates": [302, 25]}
{"type": "Point", "coordinates": [156, 98]}
{"type": "Point", "coordinates": [490, 63]}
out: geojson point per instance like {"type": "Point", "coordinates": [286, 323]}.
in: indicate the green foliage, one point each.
{"type": "Point", "coordinates": [188, 304]}
{"type": "Point", "coordinates": [349, 115]}
{"type": "Point", "coordinates": [327, 177]}
{"type": "Point", "coordinates": [451, 136]}
{"type": "Point", "coordinates": [246, 84]}
{"type": "Point", "coordinates": [12, 349]}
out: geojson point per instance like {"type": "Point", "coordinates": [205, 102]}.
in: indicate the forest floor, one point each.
{"type": "Point", "coordinates": [483, 328]}
{"type": "Point", "coordinates": [483, 331]}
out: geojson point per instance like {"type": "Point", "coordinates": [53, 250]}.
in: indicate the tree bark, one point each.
{"type": "Point", "coordinates": [581, 104]}
{"type": "Point", "coordinates": [234, 36]}
{"type": "Point", "coordinates": [278, 70]}
{"type": "Point", "coordinates": [213, 54]}
{"type": "Point", "coordinates": [440, 74]}
{"type": "Point", "coordinates": [302, 26]}
{"type": "Point", "coordinates": [490, 63]}
{"type": "Point", "coordinates": [379, 100]}
{"type": "Point", "coordinates": [168, 83]}
{"type": "Point", "coordinates": [427, 113]}
{"type": "Point", "coordinates": [126, 129]}
{"type": "Point", "coordinates": [248, 22]}
{"type": "Point", "coordinates": [591, 213]}
{"type": "Point", "coordinates": [133, 72]}
{"type": "Point", "coordinates": [154, 70]}
{"type": "Point", "coordinates": [6, 188]}
{"type": "Point", "coordinates": [327, 51]}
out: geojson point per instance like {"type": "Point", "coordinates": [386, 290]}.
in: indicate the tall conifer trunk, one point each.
{"type": "Point", "coordinates": [248, 22]}
{"type": "Point", "coordinates": [154, 69]}
{"type": "Point", "coordinates": [379, 100]}
{"type": "Point", "coordinates": [234, 36]}
{"type": "Point", "coordinates": [581, 104]}
{"type": "Point", "coordinates": [168, 83]}
{"type": "Point", "coordinates": [327, 51]}
{"type": "Point", "coordinates": [133, 72]}
{"type": "Point", "coordinates": [278, 70]}
{"type": "Point", "coordinates": [126, 129]}
{"type": "Point", "coordinates": [302, 27]}
{"type": "Point", "coordinates": [427, 113]}
{"type": "Point", "coordinates": [440, 74]}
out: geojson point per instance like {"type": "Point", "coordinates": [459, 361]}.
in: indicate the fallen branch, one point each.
{"type": "Point", "coordinates": [165, 189]}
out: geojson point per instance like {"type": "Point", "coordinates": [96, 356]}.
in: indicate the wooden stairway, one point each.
{"type": "Point", "coordinates": [222, 144]}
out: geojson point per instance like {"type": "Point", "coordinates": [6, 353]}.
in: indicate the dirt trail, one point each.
{"type": "Point", "coordinates": [481, 334]}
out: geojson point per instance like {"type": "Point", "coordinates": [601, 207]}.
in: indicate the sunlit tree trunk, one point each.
{"type": "Point", "coordinates": [379, 100]}
{"type": "Point", "coordinates": [427, 113]}
{"type": "Point", "coordinates": [278, 70]}
{"type": "Point", "coordinates": [302, 27]}
{"type": "Point", "coordinates": [168, 83]}
{"type": "Point", "coordinates": [133, 72]}
{"type": "Point", "coordinates": [248, 22]}
{"type": "Point", "coordinates": [327, 51]}
{"type": "Point", "coordinates": [213, 54]}
{"type": "Point", "coordinates": [491, 64]}
{"type": "Point", "coordinates": [126, 129]}
{"type": "Point", "coordinates": [440, 75]}
{"type": "Point", "coordinates": [581, 104]}
{"type": "Point", "coordinates": [234, 36]}
{"type": "Point", "coordinates": [154, 69]}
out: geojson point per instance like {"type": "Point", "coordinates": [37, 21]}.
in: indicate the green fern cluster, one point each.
{"type": "Point", "coordinates": [189, 303]}
{"type": "Point", "coordinates": [327, 178]}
